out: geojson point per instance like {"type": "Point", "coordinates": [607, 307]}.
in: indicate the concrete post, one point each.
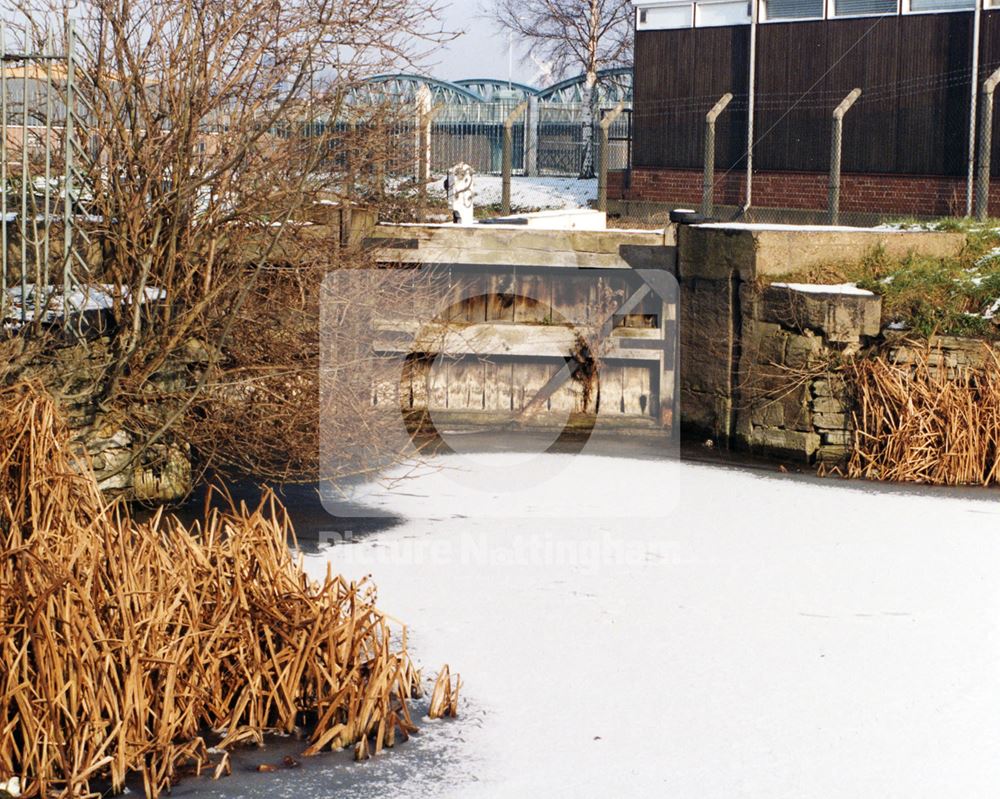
{"type": "Point", "coordinates": [708, 178]}
{"type": "Point", "coordinates": [974, 93]}
{"type": "Point", "coordinates": [985, 144]}
{"type": "Point", "coordinates": [835, 148]}
{"type": "Point", "coordinates": [425, 121]}
{"type": "Point", "coordinates": [421, 110]}
{"type": "Point", "coordinates": [602, 155]}
{"type": "Point", "coordinates": [531, 137]}
{"type": "Point", "coordinates": [421, 113]}
{"type": "Point", "coordinates": [68, 188]}
{"type": "Point", "coordinates": [508, 154]}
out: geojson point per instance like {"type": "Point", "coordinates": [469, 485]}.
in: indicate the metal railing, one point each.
{"type": "Point", "coordinates": [40, 180]}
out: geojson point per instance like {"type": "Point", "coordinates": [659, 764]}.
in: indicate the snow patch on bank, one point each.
{"type": "Point", "coordinates": [531, 194]}
{"type": "Point", "coordinates": [820, 288]}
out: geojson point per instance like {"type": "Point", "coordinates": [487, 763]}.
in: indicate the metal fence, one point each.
{"type": "Point", "coordinates": [42, 145]}
{"type": "Point", "coordinates": [549, 138]}
{"type": "Point", "coordinates": [735, 190]}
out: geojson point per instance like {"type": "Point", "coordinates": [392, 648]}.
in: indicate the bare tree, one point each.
{"type": "Point", "coordinates": [217, 133]}
{"type": "Point", "coordinates": [584, 35]}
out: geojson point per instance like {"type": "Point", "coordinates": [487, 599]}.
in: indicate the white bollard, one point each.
{"type": "Point", "coordinates": [461, 197]}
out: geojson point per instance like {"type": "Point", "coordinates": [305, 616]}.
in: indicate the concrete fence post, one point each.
{"type": "Point", "coordinates": [508, 154]}
{"type": "Point", "coordinates": [425, 121]}
{"type": "Point", "coordinates": [603, 153]}
{"type": "Point", "coordinates": [835, 149]}
{"type": "Point", "coordinates": [708, 178]}
{"type": "Point", "coordinates": [422, 107]}
{"type": "Point", "coordinates": [531, 131]}
{"type": "Point", "coordinates": [985, 145]}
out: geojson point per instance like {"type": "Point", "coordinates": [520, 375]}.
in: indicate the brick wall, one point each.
{"type": "Point", "coordinates": [866, 193]}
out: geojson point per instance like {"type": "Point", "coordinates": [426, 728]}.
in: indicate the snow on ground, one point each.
{"type": "Point", "coordinates": [530, 194]}
{"type": "Point", "coordinates": [756, 636]}
{"type": "Point", "coordinates": [100, 296]}
{"type": "Point", "coordinates": [824, 288]}
{"type": "Point", "coordinates": [762, 226]}
{"type": "Point", "coordinates": [988, 257]}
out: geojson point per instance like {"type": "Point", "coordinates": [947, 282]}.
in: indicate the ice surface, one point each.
{"type": "Point", "coordinates": [767, 637]}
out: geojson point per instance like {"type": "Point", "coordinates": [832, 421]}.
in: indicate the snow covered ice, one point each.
{"type": "Point", "coordinates": [766, 636]}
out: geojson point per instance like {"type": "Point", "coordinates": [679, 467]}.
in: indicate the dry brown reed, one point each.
{"type": "Point", "coordinates": [128, 648]}
{"type": "Point", "coordinates": [918, 423]}
{"type": "Point", "coordinates": [444, 698]}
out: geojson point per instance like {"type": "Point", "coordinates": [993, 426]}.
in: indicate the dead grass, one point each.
{"type": "Point", "coordinates": [130, 648]}
{"type": "Point", "coordinates": [947, 296]}
{"type": "Point", "coordinates": [917, 424]}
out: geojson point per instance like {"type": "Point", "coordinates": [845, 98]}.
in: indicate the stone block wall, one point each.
{"type": "Point", "coordinates": [741, 347]}
{"type": "Point", "coordinates": [791, 402]}
{"type": "Point", "coordinates": [951, 353]}
{"type": "Point", "coordinates": [163, 474]}
{"type": "Point", "coordinates": [707, 340]}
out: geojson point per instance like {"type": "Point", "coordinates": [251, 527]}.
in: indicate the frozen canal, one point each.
{"type": "Point", "coordinates": [644, 628]}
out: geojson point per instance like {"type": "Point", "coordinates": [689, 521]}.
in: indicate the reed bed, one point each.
{"type": "Point", "coordinates": [920, 424]}
{"type": "Point", "coordinates": [152, 648]}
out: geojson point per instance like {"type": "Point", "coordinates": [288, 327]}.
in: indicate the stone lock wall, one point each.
{"type": "Point", "coordinates": [756, 353]}
{"type": "Point", "coordinates": [950, 353]}
{"type": "Point", "coordinates": [792, 401]}
{"type": "Point", "coordinates": [164, 473]}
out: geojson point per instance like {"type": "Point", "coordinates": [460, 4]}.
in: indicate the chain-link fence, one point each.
{"type": "Point", "coordinates": [826, 156]}
{"type": "Point", "coordinates": [553, 139]}
{"type": "Point", "coordinates": [820, 157]}
{"type": "Point", "coordinates": [43, 149]}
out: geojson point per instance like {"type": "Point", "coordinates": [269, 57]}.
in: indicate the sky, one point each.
{"type": "Point", "coordinates": [480, 51]}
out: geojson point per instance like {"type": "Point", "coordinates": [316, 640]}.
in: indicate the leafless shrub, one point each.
{"type": "Point", "coordinates": [221, 135]}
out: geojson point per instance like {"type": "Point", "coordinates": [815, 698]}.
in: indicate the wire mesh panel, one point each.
{"type": "Point", "coordinates": [556, 131]}
{"type": "Point", "coordinates": [662, 166]}
{"type": "Point", "coordinates": [562, 138]}
{"type": "Point", "coordinates": [473, 134]}
{"type": "Point", "coordinates": [43, 144]}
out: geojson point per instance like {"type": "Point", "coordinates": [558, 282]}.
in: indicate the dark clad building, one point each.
{"type": "Point", "coordinates": [905, 141]}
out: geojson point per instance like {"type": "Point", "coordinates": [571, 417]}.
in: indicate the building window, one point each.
{"type": "Point", "coordinates": [732, 12]}
{"type": "Point", "coordinates": [794, 9]}
{"type": "Point", "coordinates": [864, 8]}
{"type": "Point", "coordinates": [941, 5]}
{"type": "Point", "coordinates": [663, 17]}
